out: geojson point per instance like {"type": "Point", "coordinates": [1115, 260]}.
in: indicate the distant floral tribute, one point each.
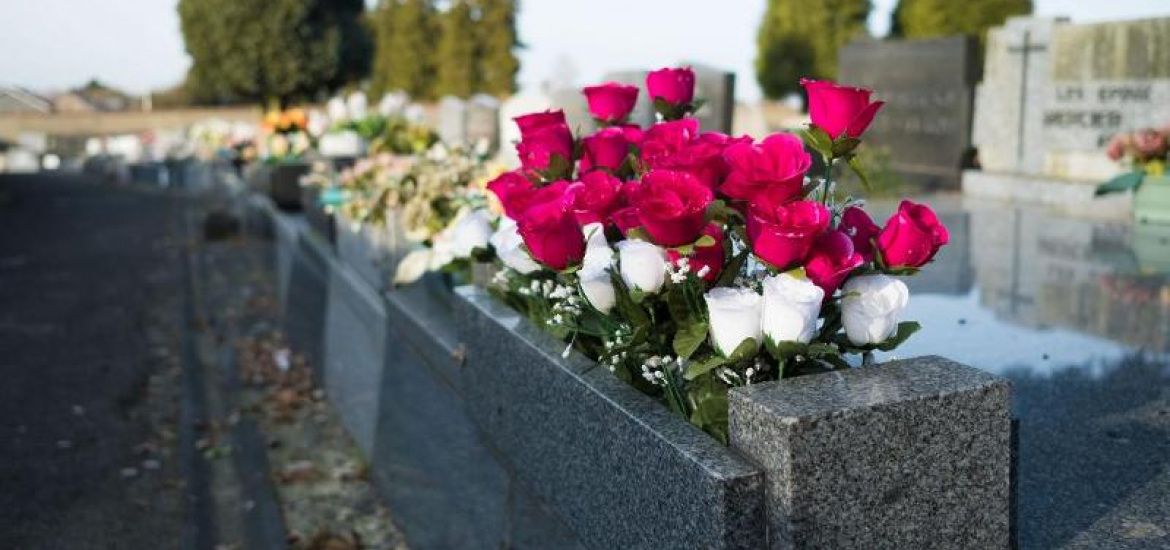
{"type": "Point", "coordinates": [1145, 152]}
{"type": "Point", "coordinates": [689, 261]}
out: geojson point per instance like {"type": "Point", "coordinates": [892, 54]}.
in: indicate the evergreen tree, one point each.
{"type": "Point", "coordinates": [275, 51]}
{"type": "Point", "coordinates": [933, 18]}
{"type": "Point", "coordinates": [404, 57]}
{"type": "Point", "coordinates": [456, 56]}
{"type": "Point", "coordinates": [800, 38]}
{"type": "Point", "coordinates": [496, 43]}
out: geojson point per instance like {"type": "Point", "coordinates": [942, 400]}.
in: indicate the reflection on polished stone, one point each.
{"type": "Point", "coordinates": [1076, 312]}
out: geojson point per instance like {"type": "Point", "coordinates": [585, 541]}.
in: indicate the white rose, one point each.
{"type": "Point", "coordinates": [509, 247]}
{"type": "Point", "coordinates": [643, 265]}
{"type": "Point", "coordinates": [337, 110]}
{"type": "Point", "coordinates": [318, 123]}
{"type": "Point", "coordinates": [735, 316]}
{"type": "Point", "coordinates": [356, 105]}
{"type": "Point", "coordinates": [596, 284]}
{"type": "Point", "coordinates": [791, 307]}
{"type": "Point", "coordinates": [470, 230]}
{"type": "Point", "coordinates": [870, 308]}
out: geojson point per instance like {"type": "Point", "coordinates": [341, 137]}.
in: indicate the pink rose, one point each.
{"type": "Point", "coordinates": [607, 148]}
{"type": "Point", "coordinates": [662, 141]}
{"type": "Point", "coordinates": [678, 145]}
{"type": "Point", "coordinates": [1150, 144]}
{"type": "Point", "coordinates": [782, 234]}
{"type": "Point", "coordinates": [778, 161]}
{"type": "Point", "coordinates": [541, 147]}
{"type": "Point", "coordinates": [625, 219]}
{"type": "Point", "coordinates": [831, 261]}
{"type": "Point", "coordinates": [672, 206]}
{"type": "Point", "coordinates": [509, 188]}
{"type": "Point", "coordinates": [633, 133]}
{"type": "Point", "coordinates": [710, 257]}
{"type": "Point", "coordinates": [1117, 146]}
{"type": "Point", "coordinates": [859, 227]}
{"type": "Point", "coordinates": [533, 122]}
{"type": "Point", "coordinates": [611, 102]}
{"type": "Point", "coordinates": [596, 197]}
{"type": "Point", "coordinates": [674, 86]}
{"type": "Point", "coordinates": [550, 230]}
{"type": "Point", "coordinates": [911, 236]}
{"type": "Point", "coordinates": [839, 110]}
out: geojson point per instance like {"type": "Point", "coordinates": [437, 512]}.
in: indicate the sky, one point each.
{"type": "Point", "coordinates": [52, 45]}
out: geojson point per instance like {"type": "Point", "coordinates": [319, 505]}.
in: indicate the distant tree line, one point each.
{"type": "Point", "coordinates": [279, 52]}
{"type": "Point", "coordinates": [799, 38]}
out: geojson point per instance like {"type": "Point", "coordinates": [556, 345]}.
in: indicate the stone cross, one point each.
{"type": "Point", "coordinates": [1025, 49]}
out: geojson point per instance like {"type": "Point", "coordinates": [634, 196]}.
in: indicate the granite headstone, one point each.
{"type": "Point", "coordinates": [925, 125]}
{"type": "Point", "coordinates": [452, 120]}
{"type": "Point", "coordinates": [482, 123]}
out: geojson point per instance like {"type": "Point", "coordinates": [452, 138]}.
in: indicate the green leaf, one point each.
{"type": "Point", "coordinates": [744, 351]}
{"type": "Point", "coordinates": [904, 331]}
{"type": "Point", "coordinates": [855, 165]}
{"type": "Point", "coordinates": [705, 241]}
{"type": "Point", "coordinates": [1122, 183]}
{"type": "Point", "coordinates": [817, 139]}
{"type": "Point", "coordinates": [698, 368]}
{"type": "Point", "coordinates": [689, 337]}
{"type": "Point", "coordinates": [626, 306]}
{"type": "Point", "coordinates": [844, 145]}
{"type": "Point", "coordinates": [638, 233]}
{"type": "Point", "coordinates": [727, 278]}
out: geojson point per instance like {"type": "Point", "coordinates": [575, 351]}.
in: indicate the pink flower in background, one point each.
{"type": "Point", "coordinates": [859, 227]}
{"type": "Point", "coordinates": [1117, 146]}
{"type": "Point", "coordinates": [912, 236]}
{"type": "Point", "coordinates": [672, 85]}
{"type": "Point", "coordinates": [832, 259]}
{"type": "Point", "coordinates": [1150, 144]}
{"type": "Point", "coordinates": [672, 206]}
{"type": "Point", "coordinates": [778, 161]}
{"type": "Point", "coordinates": [611, 102]}
{"type": "Point", "coordinates": [607, 148]}
{"type": "Point", "coordinates": [596, 197]}
{"type": "Point", "coordinates": [783, 234]}
{"type": "Point", "coordinates": [839, 110]}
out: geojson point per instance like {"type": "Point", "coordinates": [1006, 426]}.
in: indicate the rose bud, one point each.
{"type": "Point", "coordinates": [735, 316]}
{"type": "Point", "coordinates": [912, 236]}
{"type": "Point", "coordinates": [831, 261]}
{"type": "Point", "coordinates": [791, 308]}
{"type": "Point", "coordinates": [607, 149]}
{"type": "Point", "coordinates": [778, 161]}
{"type": "Point", "coordinates": [509, 247]}
{"type": "Point", "coordinates": [510, 188]}
{"type": "Point", "coordinates": [537, 150]}
{"type": "Point", "coordinates": [709, 257]}
{"type": "Point", "coordinates": [664, 140]}
{"type": "Point", "coordinates": [551, 232]}
{"type": "Point", "coordinates": [642, 265]}
{"type": "Point", "coordinates": [672, 206]}
{"type": "Point", "coordinates": [675, 86]}
{"type": "Point", "coordinates": [594, 276]}
{"type": "Point", "coordinates": [861, 230]}
{"type": "Point", "coordinates": [782, 235]}
{"type": "Point", "coordinates": [533, 122]}
{"type": "Point", "coordinates": [871, 306]}
{"type": "Point", "coordinates": [839, 110]}
{"type": "Point", "coordinates": [611, 102]}
{"type": "Point", "coordinates": [470, 231]}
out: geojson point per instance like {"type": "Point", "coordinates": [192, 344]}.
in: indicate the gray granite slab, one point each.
{"type": "Point", "coordinates": [286, 232]}
{"type": "Point", "coordinates": [621, 470]}
{"type": "Point", "coordinates": [306, 298]}
{"type": "Point", "coordinates": [447, 487]}
{"type": "Point", "coordinates": [909, 454]}
{"type": "Point", "coordinates": [355, 348]}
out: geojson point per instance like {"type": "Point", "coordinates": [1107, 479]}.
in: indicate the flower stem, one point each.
{"type": "Point", "coordinates": [828, 178]}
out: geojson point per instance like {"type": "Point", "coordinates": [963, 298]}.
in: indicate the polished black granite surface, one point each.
{"type": "Point", "coordinates": [1076, 313]}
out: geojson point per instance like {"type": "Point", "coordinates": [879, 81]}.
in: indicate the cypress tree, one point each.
{"type": "Point", "coordinates": [800, 38]}
{"type": "Point", "coordinates": [496, 43]}
{"type": "Point", "coordinates": [933, 18]}
{"type": "Point", "coordinates": [274, 51]}
{"type": "Point", "coordinates": [404, 57]}
{"type": "Point", "coordinates": [456, 56]}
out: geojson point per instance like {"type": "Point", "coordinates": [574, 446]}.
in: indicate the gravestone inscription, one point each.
{"type": "Point", "coordinates": [925, 125]}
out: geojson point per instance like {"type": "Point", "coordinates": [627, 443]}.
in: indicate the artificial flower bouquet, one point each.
{"type": "Point", "coordinates": [1145, 152]}
{"type": "Point", "coordinates": [688, 262]}
{"type": "Point", "coordinates": [349, 128]}
{"type": "Point", "coordinates": [284, 136]}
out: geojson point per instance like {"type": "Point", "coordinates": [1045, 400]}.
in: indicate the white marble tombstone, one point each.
{"type": "Point", "coordinates": [483, 119]}
{"type": "Point", "coordinates": [452, 126]}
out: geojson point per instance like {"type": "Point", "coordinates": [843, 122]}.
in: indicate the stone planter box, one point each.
{"type": "Point", "coordinates": [903, 455]}
{"type": "Point", "coordinates": [1151, 202]}
{"type": "Point", "coordinates": [306, 296]}
{"type": "Point", "coordinates": [284, 184]}
{"type": "Point", "coordinates": [319, 220]}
